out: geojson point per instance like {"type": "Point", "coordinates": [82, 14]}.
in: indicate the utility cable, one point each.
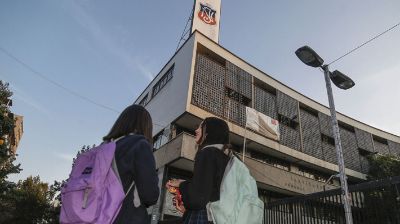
{"type": "Point", "coordinates": [56, 83]}
{"type": "Point", "coordinates": [358, 47]}
{"type": "Point", "coordinates": [74, 93]}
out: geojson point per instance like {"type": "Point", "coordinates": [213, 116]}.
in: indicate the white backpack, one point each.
{"type": "Point", "coordinates": [239, 202]}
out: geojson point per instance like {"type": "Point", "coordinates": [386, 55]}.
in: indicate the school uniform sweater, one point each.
{"type": "Point", "coordinates": [209, 168]}
{"type": "Point", "coordinates": [135, 161]}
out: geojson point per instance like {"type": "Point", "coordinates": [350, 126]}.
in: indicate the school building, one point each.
{"type": "Point", "coordinates": [204, 79]}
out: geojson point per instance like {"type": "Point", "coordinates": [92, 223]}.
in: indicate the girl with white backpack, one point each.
{"type": "Point", "coordinates": [212, 138]}
{"type": "Point", "coordinates": [222, 190]}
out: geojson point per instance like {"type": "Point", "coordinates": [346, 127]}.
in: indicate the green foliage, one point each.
{"type": "Point", "coordinates": [7, 158]}
{"type": "Point", "coordinates": [31, 201]}
{"type": "Point", "coordinates": [6, 122]}
{"type": "Point", "coordinates": [53, 214]}
{"type": "Point", "coordinates": [5, 93]}
{"type": "Point", "coordinates": [6, 166]}
{"type": "Point", "coordinates": [383, 201]}
{"type": "Point", "coordinates": [383, 166]}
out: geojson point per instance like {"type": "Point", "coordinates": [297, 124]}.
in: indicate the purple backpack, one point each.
{"type": "Point", "coordinates": [93, 192]}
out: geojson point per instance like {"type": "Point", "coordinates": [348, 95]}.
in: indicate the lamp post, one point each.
{"type": "Point", "coordinates": [309, 57]}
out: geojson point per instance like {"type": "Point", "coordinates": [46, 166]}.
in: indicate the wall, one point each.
{"type": "Point", "coordinates": [223, 86]}
{"type": "Point", "coordinates": [171, 101]}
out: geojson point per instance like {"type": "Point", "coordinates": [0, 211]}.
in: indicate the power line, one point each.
{"type": "Point", "coordinates": [56, 83]}
{"type": "Point", "coordinates": [375, 37]}
{"type": "Point", "coordinates": [74, 93]}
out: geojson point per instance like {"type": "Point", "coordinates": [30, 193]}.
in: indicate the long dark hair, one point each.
{"type": "Point", "coordinates": [214, 131]}
{"type": "Point", "coordinates": [134, 119]}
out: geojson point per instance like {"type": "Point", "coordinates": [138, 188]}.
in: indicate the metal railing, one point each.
{"type": "Point", "coordinates": [375, 202]}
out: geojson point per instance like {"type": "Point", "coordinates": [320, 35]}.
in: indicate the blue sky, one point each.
{"type": "Point", "coordinates": [109, 51]}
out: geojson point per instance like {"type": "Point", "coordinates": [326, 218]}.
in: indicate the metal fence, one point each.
{"type": "Point", "coordinates": [375, 202]}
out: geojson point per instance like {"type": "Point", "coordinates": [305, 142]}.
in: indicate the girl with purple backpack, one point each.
{"type": "Point", "coordinates": [135, 162]}
{"type": "Point", "coordinates": [116, 181]}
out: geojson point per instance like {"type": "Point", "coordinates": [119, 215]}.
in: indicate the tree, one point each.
{"type": "Point", "coordinates": [383, 201]}
{"type": "Point", "coordinates": [32, 201]}
{"type": "Point", "coordinates": [53, 211]}
{"type": "Point", "coordinates": [383, 166]}
{"type": "Point", "coordinates": [6, 127]}
{"type": "Point", "coordinates": [7, 158]}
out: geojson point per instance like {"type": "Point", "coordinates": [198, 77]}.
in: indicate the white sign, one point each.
{"type": "Point", "coordinates": [206, 17]}
{"type": "Point", "coordinates": [262, 124]}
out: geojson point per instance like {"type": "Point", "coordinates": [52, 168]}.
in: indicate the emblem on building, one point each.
{"type": "Point", "coordinates": [207, 14]}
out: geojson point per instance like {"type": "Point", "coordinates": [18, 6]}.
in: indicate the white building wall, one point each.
{"type": "Point", "coordinates": [170, 102]}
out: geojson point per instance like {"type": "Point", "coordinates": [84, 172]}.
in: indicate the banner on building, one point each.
{"type": "Point", "coordinates": [206, 17]}
{"type": "Point", "coordinates": [262, 124]}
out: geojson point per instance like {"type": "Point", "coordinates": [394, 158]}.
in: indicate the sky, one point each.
{"type": "Point", "coordinates": [108, 52]}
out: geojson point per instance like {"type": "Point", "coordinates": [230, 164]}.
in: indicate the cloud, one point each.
{"type": "Point", "coordinates": [84, 19]}
{"type": "Point", "coordinates": [65, 156]}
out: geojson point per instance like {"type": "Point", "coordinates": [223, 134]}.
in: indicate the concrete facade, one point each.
{"type": "Point", "coordinates": [208, 80]}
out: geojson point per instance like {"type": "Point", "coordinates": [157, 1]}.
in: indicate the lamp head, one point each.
{"type": "Point", "coordinates": [341, 80]}
{"type": "Point", "coordinates": [309, 57]}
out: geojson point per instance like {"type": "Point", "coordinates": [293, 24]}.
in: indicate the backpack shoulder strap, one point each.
{"type": "Point", "coordinates": [115, 169]}
{"type": "Point", "coordinates": [136, 199]}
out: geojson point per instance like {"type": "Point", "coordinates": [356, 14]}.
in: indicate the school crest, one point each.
{"type": "Point", "coordinates": [207, 14]}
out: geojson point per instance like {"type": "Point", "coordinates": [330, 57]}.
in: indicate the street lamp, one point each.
{"type": "Point", "coordinates": [309, 57]}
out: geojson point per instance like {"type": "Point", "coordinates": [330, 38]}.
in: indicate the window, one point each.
{"type": "Point", "coordinates": [364, 153]}
{"type": "Point", "coordinates": [160, 139]}
{"type": "Point", "coordinates": [163, 81]}
{"type": "Point", "coordinates": [144, 101]}
{"type": "Point", "coordinates": [237, 96]}
{"type": "Point", "coordinates": [278, 163]}
{"type": "Point", "coordinates": [313, 174]}
{"type": "Point", "coordinates": [289, 122]}
{"type": "Point", "coordinates": [310, 110]}
{"type": "Point", "coordinates": [379, 139]}
{"type": "Point", "coordinates": [345, 126]}
{"type": "Point", "coordinates": [327, 139]}
{"type": "Point", "coordinates": [180, 129]}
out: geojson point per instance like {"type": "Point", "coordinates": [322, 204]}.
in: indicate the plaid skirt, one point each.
{"type": "Point", "coordinates": [196, 217]}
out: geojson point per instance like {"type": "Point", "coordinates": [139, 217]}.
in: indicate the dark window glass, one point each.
{"type": "Point", "coordinates": [287, 121]}
{"type": "Point", "coordinates": [237, 96]}
{"type": "Point", "coordinates": [327, 139]}
{"type": "Point", "coordinates": [163, 81]}
{"type": "Point", "coordinates": [281, 164]}
{"type": "Point", "coordinates": [144, 101]}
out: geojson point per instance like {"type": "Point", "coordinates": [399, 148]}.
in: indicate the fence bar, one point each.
{"type": "Point", "coordinates": [371, 202]}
